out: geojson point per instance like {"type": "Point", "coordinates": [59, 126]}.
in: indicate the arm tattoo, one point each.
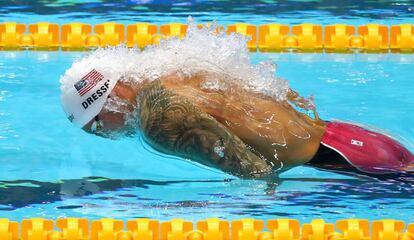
{"type": "Point", "coordinates": [171, 124]}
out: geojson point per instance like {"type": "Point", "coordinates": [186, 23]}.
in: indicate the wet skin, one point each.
{"type": "Point", "coordinates": [181, 117]}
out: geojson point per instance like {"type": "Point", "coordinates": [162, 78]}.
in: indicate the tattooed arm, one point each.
{"type": "Point", "coordinates": [171, 124]}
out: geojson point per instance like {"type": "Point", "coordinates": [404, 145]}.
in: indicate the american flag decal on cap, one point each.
{"type": "Point", "coordinates": [88, 82]}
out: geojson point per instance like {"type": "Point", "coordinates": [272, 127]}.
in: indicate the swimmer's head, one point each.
{"type": "Point", "coordinates": [117, 116]}
{"type": "Point", "coordinates": [84, 93]}
{"type": "Point", "coordinates": [98, 102]}
{"type": "Point", "coordinates": [86, 85]}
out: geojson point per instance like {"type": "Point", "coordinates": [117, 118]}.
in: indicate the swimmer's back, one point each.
{"type": "Point", "coordinates": [274, 129]}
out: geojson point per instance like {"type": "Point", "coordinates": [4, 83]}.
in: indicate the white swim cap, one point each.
{"type": "Point", "coordinates": [85, 92]}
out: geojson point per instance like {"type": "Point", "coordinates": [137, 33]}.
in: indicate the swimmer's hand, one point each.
{"type": "Point", "coordinates": [299, 101]}
{"type": "Point", "coordinates": [173, 125]}
{"type": "Point", "coordinates": [304, 103]}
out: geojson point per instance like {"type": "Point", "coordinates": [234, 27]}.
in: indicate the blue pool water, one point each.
{"type": "Point", "coordinates": [225, 11]}
{"type": "Point", "coordinates": [51, 169]}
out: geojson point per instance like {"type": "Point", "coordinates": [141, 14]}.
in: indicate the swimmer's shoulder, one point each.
{"type": "Point", "coordinates": [162, 112]}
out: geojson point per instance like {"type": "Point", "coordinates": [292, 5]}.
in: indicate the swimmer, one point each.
{"type": "Point", "coordinates": [236, 129]}
{"type": "Point", "coordinates": [225, 130]}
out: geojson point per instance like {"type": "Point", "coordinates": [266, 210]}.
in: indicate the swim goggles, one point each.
{"type": "Point", "coordinates": [97, 124]}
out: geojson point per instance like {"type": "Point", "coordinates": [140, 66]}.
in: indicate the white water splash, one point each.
{"type": "Point", "coordinates": [201, 50]}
